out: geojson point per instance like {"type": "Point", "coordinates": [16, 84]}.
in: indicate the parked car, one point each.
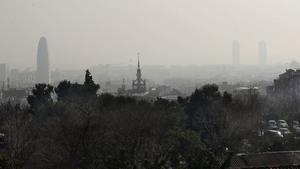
{"type": "Point", "coordinates": [285, 131]}
{"type": "Point", "coordinates": [273, 134]}
{"type": "Point", "coordinates": [282, 124]}
{"type": "Point", "coordinates": [296, 129]}
{"type": "Point", "coordinates": [295, 124]}
{"type": "Point", "coordinates": [272, 125]}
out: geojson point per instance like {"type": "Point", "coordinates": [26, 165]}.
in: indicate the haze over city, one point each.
{"type": "Point", "coordinates": [166, 32]}
{"type": "Point", "coordinates": [149, 84]}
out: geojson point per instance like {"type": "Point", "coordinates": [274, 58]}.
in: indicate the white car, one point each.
{"type": "Point", "coordinates": [275, 134]}
{"type": "Point", "coordinates": [272, 124]}
{"type": "Point", "coordinates": [282, 124]}
{"type": "Point", "coordinates": [285, 131]}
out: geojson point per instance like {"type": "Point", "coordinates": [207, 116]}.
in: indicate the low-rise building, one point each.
{"type": "Point", "coordinates": [246, 94]}
{"type": "Point", "coordinates": [287, 85]}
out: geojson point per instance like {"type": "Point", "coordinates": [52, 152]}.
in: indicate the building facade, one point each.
{"type": "Point", "coordinates": [287, 85]}
{"type": "Point", "coordinates": [3, 75]}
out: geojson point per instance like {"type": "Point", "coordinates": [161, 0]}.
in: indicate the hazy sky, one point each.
{"type": "Point", "coordinates": [82, 33]}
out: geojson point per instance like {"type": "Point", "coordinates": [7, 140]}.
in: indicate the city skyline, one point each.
{"type": "Point", "coordinates": [165, 32]}
{"type": "Point", "coordinates": [148, 84]}
{"type": "Point", "coordinates": [236, 58]}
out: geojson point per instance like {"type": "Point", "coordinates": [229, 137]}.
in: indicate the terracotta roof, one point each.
{"type": "Point", "coordinates": [265, 160]}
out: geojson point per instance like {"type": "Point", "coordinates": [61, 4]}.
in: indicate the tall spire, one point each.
{"type": "Point", "coordinates": [138, 54]}
{"type": "Point", "coordinates": [138, 71]}
{"type": "Point", "coordinates": [139, 85]}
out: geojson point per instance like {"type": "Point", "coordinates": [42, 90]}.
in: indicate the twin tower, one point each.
{"type": "Point", "coordinates": [43, 65]}
{"type": "Point", "coordinates": [262, 53]}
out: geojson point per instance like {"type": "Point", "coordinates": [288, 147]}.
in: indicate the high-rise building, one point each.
{"type": "Point", "coordinates": [3, 75]}
{"type": "Point", "coordinates": [235, 52]}
{"type": "Point", "coordinates": [43, 66]}
{"type": "Point", "coordinates": [262, 52]}
{"type": "Point", "coordinates": [14, 78]}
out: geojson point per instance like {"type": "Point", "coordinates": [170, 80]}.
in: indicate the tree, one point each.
{"type": "Point", "coordinates": [90, 88]}
{"type": "Point", "coordinates": [207, 113]}
{"type": "Point", "coordinates": [63, 90]}
{"type": "Point", "coordinates": [74, 92]}
{"type": "Point", "coordinates": [227, 98]}
{"type": "Point", "coordinates": [188, 151]}
{"type": "Point", "coordinates": [201, 107]}
{"type": "Point", "coordinates": [41, 94]}
{"type": "Point", "coordinates": [19, 137]}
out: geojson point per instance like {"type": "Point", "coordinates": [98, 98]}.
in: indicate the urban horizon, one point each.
{"type": "Point", "coordinates": [160, 84]}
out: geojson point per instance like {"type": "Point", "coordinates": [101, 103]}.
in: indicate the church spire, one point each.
{"type": "Point", "coordinates": [138, 54]}
{"type": "Point", "coordinates": [139, 85]}
{"type": "Point", "coordinates": [138, 71]}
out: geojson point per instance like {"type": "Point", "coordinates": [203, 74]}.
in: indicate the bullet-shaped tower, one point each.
{"type": "Point", "coordinates": [262, 53]}
{"type": "Point", "coordinates": [43, 65]}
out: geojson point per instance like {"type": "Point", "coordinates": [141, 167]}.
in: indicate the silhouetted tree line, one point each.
{"type": "Point", "coordinates": [71, 127]}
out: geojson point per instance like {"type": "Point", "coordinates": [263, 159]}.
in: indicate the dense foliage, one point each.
{"type": "Point", "coordinates": [71, 127]}
{"type": "Point", "coordinates": [82, 130]}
